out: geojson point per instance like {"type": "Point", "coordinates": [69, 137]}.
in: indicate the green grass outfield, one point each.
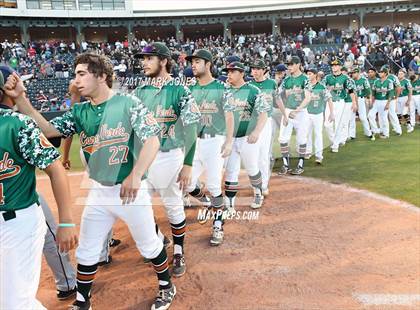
{"type": "Point", "coordinates": [389, 167]}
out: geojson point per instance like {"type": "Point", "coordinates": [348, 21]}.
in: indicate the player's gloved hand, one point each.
{"type": "Point", "coordinates": [130, 188]}
{"type": "Point", "coordinates": [253, 137]}
{"type": "Point", "coordinates": [14, 87]}
{"type": "Point", "coordinates": [66, 238]}
{"type": "Point", "coordinates": [226, 149]}
{"type": "Point", "coordinates": [184, 177]}
{"type": "Point", "coordinates": [66, 164]}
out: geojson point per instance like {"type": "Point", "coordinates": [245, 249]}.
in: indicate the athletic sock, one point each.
{"type": "Point", "coordinates": [85, 277]}
{"type": "Point", "coordinates": [178, 234]}
{"type": "Point", "coordinates": [160, 264]}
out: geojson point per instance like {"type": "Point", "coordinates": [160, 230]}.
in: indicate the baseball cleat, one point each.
{"type": "Point", "coordinates": [265, 192]}
{"type": "Point", "coordinates": [114, 242]}
{"type": "Point", "coordinates": [217, 236]}
{"type": "Point", "coordinates": [410, 128]}
{"type": "Point", "coordinates": [334, 149]}
{"type": "Point", "coordinates": [164, 298]}
{"type": "Point", "coordinates": [383, 136]}
{"type": "Point", "coordinates": [63, 295]}
{"type": "Point", "coordinates": [258, 201]}
{"type": "Point", "coordinates": [308, 156]}
{"type": "Point", "coordinates": [372, 137]}
{"type": "Point", "coordinates": [178, 268]}
{"type": "Point", "coordinates": [318, 161]}
{"type": "Point", "coordinates": [297, 171]}
{"type": "Point", "coordinates": [187, 201]}
{"type": "Point", "coordinates": [80, 305]}
{"type": "Point", "coordinates": [284, 170]}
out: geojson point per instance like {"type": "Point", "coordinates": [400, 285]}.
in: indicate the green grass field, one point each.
{"type": "Point", "coordinates": [389, 167]}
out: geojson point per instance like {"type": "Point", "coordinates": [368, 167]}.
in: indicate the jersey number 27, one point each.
{"type": "Point", "coordinates": [117, 150]}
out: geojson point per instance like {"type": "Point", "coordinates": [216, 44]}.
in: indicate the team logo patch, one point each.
{"type": "Point", "coordinates": [7, 167]}
{"type": "Point", "coordinates": [44, 141]}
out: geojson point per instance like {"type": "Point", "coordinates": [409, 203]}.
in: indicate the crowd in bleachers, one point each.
{"type": "Point", "coordinates": [397, 46]}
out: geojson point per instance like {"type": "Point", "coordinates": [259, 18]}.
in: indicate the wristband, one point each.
{"type": "Point", "coordinates": [66, 225]}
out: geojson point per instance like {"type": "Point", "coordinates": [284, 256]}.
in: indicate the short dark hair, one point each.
{"type": "Point", "coordinates": [98, 65]}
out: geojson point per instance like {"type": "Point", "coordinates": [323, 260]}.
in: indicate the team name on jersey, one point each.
{"type": "Point", "coordinates": [7, 167]}
{"type": "Point", "coordinates": [105, 137]}
{"type": "Point", "coordinates": [238, 103]}
{"type": "Point", "coordinates": [165, 115]}
{"type": "Point", "coordinates": [209, 107]}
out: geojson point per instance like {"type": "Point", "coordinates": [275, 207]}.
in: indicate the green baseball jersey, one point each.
{"type": "Point", "coordinates": [363, 87]}
{"type": "Point", "coordinates": [268, 89]}
{"type": "Point", "coordinates": [111, 134]}
{"type": "Point", "coordinates": [249, 103]}
{"type": "Point", "coordinates": [416, 87]}
{"type": "Point", "coordinates": [173, 107]}
{"type": "Point", "coordinates": [382, 90]}
{"type": "Point", "coordinates": [371, 82]}
{"type": "Point", "coordinates": [212, 106]}
{"type": "Point", "coordinates": [396, 84]}
{"type": "Point", "coordinates": [406, 87]}
{"type": "Point", "coordinates": [319, 98]}
{"type": "Point", "coordinates": [23, 147]}
{"type": "Point", "coordinates": [339, 86]}
{"type": "Point", "coordinates": [294, 90]}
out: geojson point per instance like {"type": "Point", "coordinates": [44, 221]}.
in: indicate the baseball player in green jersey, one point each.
{"type": "Point", "coordinates": [348, 101]}
{"type": "Point", "coordinates": [405, 102]}
{"type": "Point", "coordinates": [392, 112]}
{"type": "Point", "coordinates": [319, 97]}
{"type": "Point", "coordinates": [416, 99]}
{"type": "Point", "coordinates": [295, 114]}
{"type": "Point", "coordinates": [177, 114]}
{"type": "Point", "coordinates": [382, 92]}
{"type": "Point", "coordinates": [340, 85]}
{"type": "Point", "coordinates": [215, 137]}
{"type": "Point", "coordinates": [250, 116]}
{"type": "Point", "coordinates": [372, 77]}
{"type": "Point", "coordinates": [268, 89]}
{"type": "Point", "coordinates": [24, 148]}
{"type": "Point", "coordinates": [119, 137]}
{"type": "Point", "coordinates": [363, 91]}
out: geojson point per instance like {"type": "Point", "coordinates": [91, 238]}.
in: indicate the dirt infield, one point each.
{"type": "Point", "coordinates": [314, 246]}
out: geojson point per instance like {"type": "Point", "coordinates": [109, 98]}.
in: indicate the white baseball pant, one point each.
{"type": "Point", "coordinates": [315, 127]}
{"type": "Point", "coordinates": [402, 109]}
{"type": "Point", "coordinates": [338, 130]}
{"type": "Point", "coordinates": [416, 106]}
{"type": "Point", "coordinates": [393, 117]}
{"type": "Point", "coordinates": [379, 108]}
{"type": "Point", "coordinates": [361, 109]}
{"type": "Point", "coordinates": [208, 158]}
{"type": "Point", "coordinates": [265, 153]}
{"type": "Point", "coordinates": [162, 178]}
{"type": "Point", "coordinates": [299, 123]}
{"type": "Point", "coordinates": [103, 208]}
{"type": "Point", "coordinates": [276, 117]}
{"type": "Point", "coordinates": [21, 240]}
{"type": "Point", "coordinates": [248, 153]}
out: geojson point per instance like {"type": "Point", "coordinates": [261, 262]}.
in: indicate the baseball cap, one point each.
{"type": "Point", "coordinates": [234, 66]}
{"type": "Point", "coordinates": [294, 60]}
{"type": "Point", "coordinates": [280, 68]}
{"type": "Point", "coordinates": [314, 70]}
{"type": "Point", "coordinates": [372, 69]}
{"type": "Point", "coordinates": [259, 64]}
{"type": "Point", "coordinates": [202, 54]}
{"type": "Point", "coordinates": [355, 70]}
{"type": "Point", "coordinates": [232, 58]}
{"type": "Point", "coordinates": [154, 49]}
{"type": "Point", "coordinates": [384, 69]}
{"type": "Point", "coordinates": [335, 62]}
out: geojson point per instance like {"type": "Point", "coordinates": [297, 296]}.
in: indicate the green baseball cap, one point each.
{"type": "Point", "coordinates": [259, 64]}
{"type": "Point", "coordinates": [355, 70]}
{"type": "Point", "coordinates": [294, 60]}
{"type": "Point", "coordinates": [384, 69]}
{"type": "Point", "coordinates": [202, 54]}
{"type": "Point", "coordinates": [236, 65]}
{"type": "Point", "coordinates": [154, 49]}
{"type": "Point", "coordinates": [312, 69]}
{"type": "Point", "coordinates": [336, 62]}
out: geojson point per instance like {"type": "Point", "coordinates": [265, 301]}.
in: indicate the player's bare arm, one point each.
{"type": "Point", "coordinates": [16, 90]}
{"type": "Point", "coordinates": [227, 146]}
{"type": "Point", "coordinates": [255, 134]}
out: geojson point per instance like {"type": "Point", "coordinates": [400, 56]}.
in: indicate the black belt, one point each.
{"type": "Point", "coordinates": [207, 135]}
{"type": "Point", "coordinates": [11, 214]}
{"type": "Point", "coordinates": [108, 183]}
